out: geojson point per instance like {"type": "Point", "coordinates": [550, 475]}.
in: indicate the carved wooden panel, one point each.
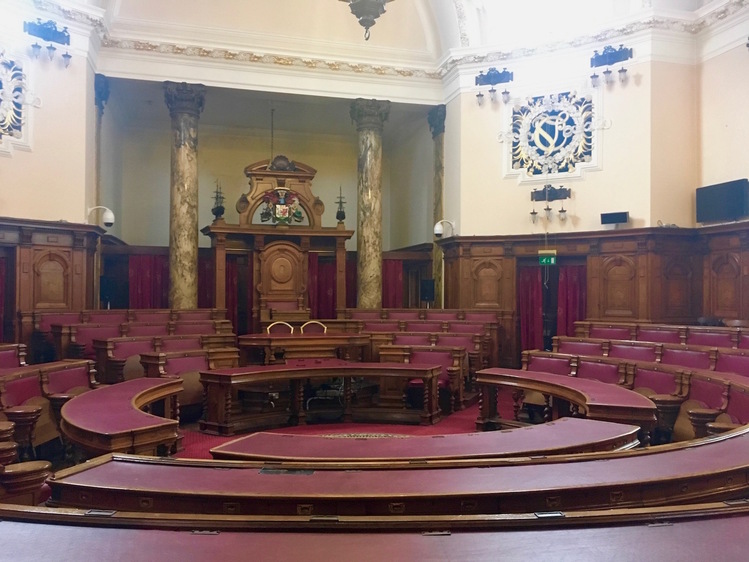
{"type": "Point", "coordinates": [283, 271]}
{"type": "Point", "coordinates": [52, 279]}
{"type": "Point", "coordinates": [486, 280]}
{"type": "Point", "coordinates": [619, 291]}
{"type": "Point", "coordinates": [725, 285]}
{"type": "Point", "coordinates": [676, 289]}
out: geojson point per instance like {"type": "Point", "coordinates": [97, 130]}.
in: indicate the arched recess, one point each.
{"type": "Point", "coordinates": [725, 285]}
{"type": "Point", "coordinates": [677, 289]}
{"type": "Point", "coordinates": [486, 277]}
{"type": "Point", "coordinates": [619, 276]}
{"type": "Point", "coordinates": [52, 280]}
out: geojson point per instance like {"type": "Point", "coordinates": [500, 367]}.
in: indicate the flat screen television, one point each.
{"type": "Point", "coordinates": [727, 201]}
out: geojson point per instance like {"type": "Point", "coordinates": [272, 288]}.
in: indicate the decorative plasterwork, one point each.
{"type": "Point", "coordinates": [14, 94]}
{"type": "Point", "coordinates": [611, 35]}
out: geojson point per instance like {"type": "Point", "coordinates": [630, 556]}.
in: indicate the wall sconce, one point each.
{"type": "Point", "coordinates": [550, 194]}
{"type": "Point", "coordinates": [492, 78]}
{"type": "Point", "coordinates": [439, 229]}
{"type": "Point", "coordinates": [47, 31]}
{"type": "Point", "coordinates": [609, 57]}
{"type": "Point", "coordinates": [107, 217]}
{"type": "Point", "coordinates": [562, 214]}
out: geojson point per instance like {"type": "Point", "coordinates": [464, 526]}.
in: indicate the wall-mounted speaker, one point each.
{"type": "Point", "coordinates": [426, 290]}
{"type": "Point", "coordinates": [727, 201]}
{"type": "Point", "coordinates": [615, 218]}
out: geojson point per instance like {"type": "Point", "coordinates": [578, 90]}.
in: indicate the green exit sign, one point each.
{"type": "Point", "coordinates": [547, 260]}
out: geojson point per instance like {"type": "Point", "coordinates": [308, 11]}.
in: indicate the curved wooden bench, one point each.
{"type": "Point", "coordinates": [111, 418]}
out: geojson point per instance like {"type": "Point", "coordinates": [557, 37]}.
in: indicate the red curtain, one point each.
{"type": "Point", "coordinates": [392, 283]}
{"type": "Point", "coordinates": [326, 290]}
{"type": "Point", "coordinates": [250, 289]}
{"type": "Point", "coordinates": [231, 291]}
{"type": "Point", "coordinates": [313, 260]}
{"type": "Point", "coordinates": [206, 282]}
{"type": "Point", "coordinates": [148, 277]}
{"type": "Point", "coordinates": [351, 287]}
{"type": "Point", "coordinates": [530, 306]}
{"type": "Point", "coordinates": [2, 296]}
{"type": "Point", "coordinates": [571, 302]}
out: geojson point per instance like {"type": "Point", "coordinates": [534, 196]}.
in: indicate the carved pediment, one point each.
{"type": "Point", "coordinates": [280, 194]}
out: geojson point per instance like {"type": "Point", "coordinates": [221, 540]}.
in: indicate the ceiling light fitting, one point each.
{"type": "Point", "coordinates": [492, 78]}
{"type": "Point", "coordinates": [367, 12]}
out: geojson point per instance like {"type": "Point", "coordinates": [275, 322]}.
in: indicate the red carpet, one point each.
{"type": "Point", "coordinates": [197, 445]}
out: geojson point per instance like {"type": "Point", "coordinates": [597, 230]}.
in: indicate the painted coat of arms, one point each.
{"type": "Point", "coordinates": [281, 207]}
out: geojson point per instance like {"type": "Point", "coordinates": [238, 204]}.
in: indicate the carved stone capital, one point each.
{"type": "Point", "coordinates": [183, 98]}
{"type": "Point", "coordinates": [436, 118]}
{"type": "Point", "coordinates": [370, 114]}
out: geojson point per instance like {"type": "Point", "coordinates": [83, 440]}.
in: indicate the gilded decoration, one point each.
{"type": "Point", "coordinates": [12, 94]}
{"type": "Point", "coordinates": [552, 134]}
{"type": "Point", "coordinates": [281, 207]}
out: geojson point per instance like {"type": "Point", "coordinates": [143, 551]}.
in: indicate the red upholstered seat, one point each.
{"type": "Point", "coordinates": [197, 314]}
{"type": "Point", "coordinates": [554, 365]}
{"type": "Point", "coordinates": [733, 362]}
{"type": "Point", "coordinates": [152, 315]}
{"type": "Point", "coordinates": [444, 359]}
{"type": "Point", "coordinates": [46, 319]}
{"type": "Point", "coordinates": [63, 381]}
{"type": "Point", "coordinates": [658, 335]}
{"type": "Point", "coordinates": [441, 315]}
{"type": "Point", "coordinates": [105, 316]}
{"type": "Point", "coordinates": [578, 347]}
{"type": "Point", "coordinates": [9, 357]}
{"type": "Point", "coordinates": [21, 389]}
{"type": "Point", "coordinates": [604, 372]}
{"type": "Point", "coordinates": [146, 328]}
{"type": "Point", "coordinates": [411, 339]}
{"type": "Point", "coordinates": [422, 326]}
{"type": "Point", "coordinates": [366, 314]}
{"type": "Point", "coordinates": [194, 327]}
{"type": "Point", "coordinates": [122, 348]}
{"type": "Point", "coordinates": [480, 316]}
{"type": "Point", "coordinates": [652, 380]}
{"type": "Point", "coordinates": [695, 359]}
{"type": "Point", "coordinates": [85, 334]}
{"type": "Point", "coordinates": [179, 343]}
{"type": "Point", "coordinates": [737, 411]}
{"type": "Point", "coordinates": [610, 332]}
{"type": "Point", "coordinates": [715, 339]}
{"type": "Point", "coordinates": [403, 314]}
{"type": "Point", "coordinates": [383, 326]}
{"type": "Point", "coordinates": [634, 351]}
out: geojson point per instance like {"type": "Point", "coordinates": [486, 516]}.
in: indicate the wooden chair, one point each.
{"type": "Point", "coordinates": [313, 327]}
{"type": "Point", "coordinates": [279, 327]}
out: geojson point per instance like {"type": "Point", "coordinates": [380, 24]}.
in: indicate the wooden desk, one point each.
{"type": "Point", "coordinates": [111, 418]}
{"type": "Point", "coordinates": [564, 436]}
{"type": "Point", "coordinates": [225, 414]}
{"type": "Point", "coordinates": [711, 469]}
{"type": "Point", "coordinates": [595, 399]}
{"type": "Point", "coordinates": [293, 346]}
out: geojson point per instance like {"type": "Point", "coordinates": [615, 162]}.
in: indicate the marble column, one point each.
{"type": "Point", "coordinates": [101, 97]}
{"type": "Point", "coordinates": [370, 117]}
{"type": "Point", "coordinates": [185, 103]}
{"type": "Point", "coordinates": [436, 118]}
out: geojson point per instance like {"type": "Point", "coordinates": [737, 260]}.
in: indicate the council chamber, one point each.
{"type": "Point", "coordinates": [374, 279]}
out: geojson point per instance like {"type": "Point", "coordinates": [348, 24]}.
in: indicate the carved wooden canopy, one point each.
{"type": "Point", "coordinates": [280, 194]}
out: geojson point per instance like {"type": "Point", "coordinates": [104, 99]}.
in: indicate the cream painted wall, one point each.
{"type": "Point", "coordinates": [674, 159]}
{"type": "Point", "coordinates": [494, 201]}
{"type": "Point", "coordinates": [50, 180]}
{"type": "Point", "coordinates": [724, 119]}
{"type": "Point", "coordinates": [411, 190]}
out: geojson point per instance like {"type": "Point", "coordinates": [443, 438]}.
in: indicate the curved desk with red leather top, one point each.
{"type": "Point", "coordinates": [295, 346]}
{"type": "Point", "coordinates": [111, 418]}
{"type": "Point", "coordinates": [598, 400]}
{"type": "Point", "coordinates": [711, 469]}
{"type": "Point", "coordinates": [226, 413]}
{"type": "Point", "coordinates": [564, 436]}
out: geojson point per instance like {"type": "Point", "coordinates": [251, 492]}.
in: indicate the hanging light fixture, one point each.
{"type": "Point", "coordinates": [367, 11]}
{"type": "Point", "coordinates": [51, 51]}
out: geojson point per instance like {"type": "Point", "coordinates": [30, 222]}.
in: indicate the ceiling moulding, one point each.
{"type": "Point", "coordinates": [283, 45]}
{"type": "Point", "coordinates": [251, 57]}
{"type": "Point", "coordinates": [90, 16]}
{"type": "Point", "coordinates": [692, 27]}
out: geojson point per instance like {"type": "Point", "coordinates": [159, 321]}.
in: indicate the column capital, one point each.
{"type": "Point", "coordinates": [436, 118]}
{"type": "Point", "coordinates": [370, 114]}
{"type": "Point", "coordinates": [184, 98]}
{"type": "Point", "coordinates": [101, 92]}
